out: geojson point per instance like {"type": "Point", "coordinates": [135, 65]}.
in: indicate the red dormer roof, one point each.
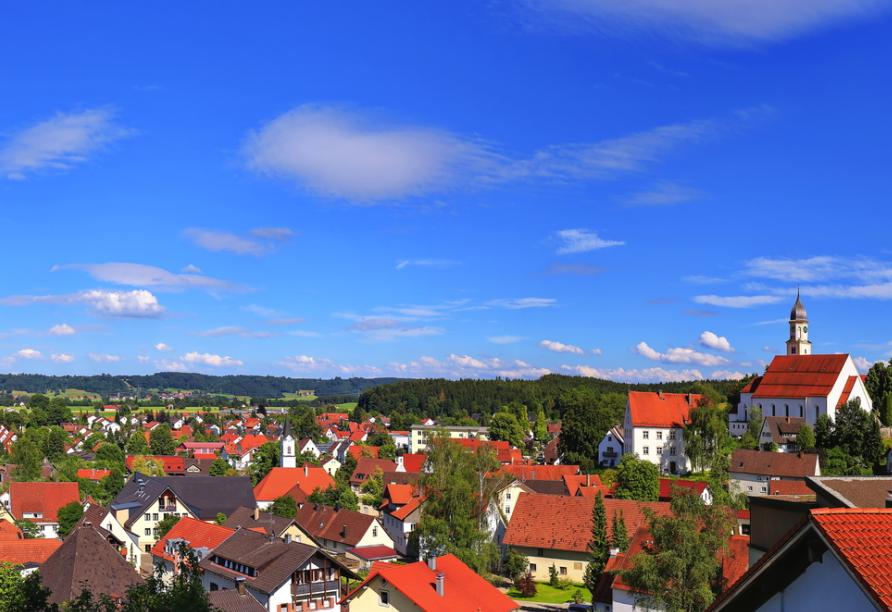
{"type": "Point", "coordinates": [665, 410]}
{"type": "Point", "coordinates": [800, 376]}
{"type": "Point", "coordinates": [575, 482]}
{"type": "Point", "coordinates": [752, 385]}
{"type": "Point", "coordinates": [197, 533]}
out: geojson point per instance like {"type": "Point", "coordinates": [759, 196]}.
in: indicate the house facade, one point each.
{"type": "Point", "coordinates": [751, 471]}
{"type": "Point", "coordinates": [610, 448]}
{"type": "Point", "coordinates": [654, 428]}
{"type": "Point", "coordinates": [419, 434]}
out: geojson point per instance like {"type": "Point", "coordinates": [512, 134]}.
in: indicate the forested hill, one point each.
{"type": "Point", "coordinates": [462, 398]}
{"type": "Point", "coordinates": [254, 386]}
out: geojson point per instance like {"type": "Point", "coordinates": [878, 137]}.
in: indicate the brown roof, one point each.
{"type": "Point", "coordinates": [341, 525]}
{"type": "Point", "coordinates": [781, 428]}
{"type": "Point", "coordinates": [853, 491]}
{"type": "Point", "coordinates": [87, 559]}
{"type": "Point", "coordinates": [244, 517]}
{"type": "Point", "coordinates": [561, 522]}
{"type": "Point", "coordinates": [790, 465]}
{"type": "Point", "coordinates": [230, 600]}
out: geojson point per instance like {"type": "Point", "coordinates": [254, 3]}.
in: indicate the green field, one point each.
{"type": "Point", "coordinates": [295, 396]}
{"type": "Point", "coordinates": [347, 406]}
{"type": "Point", "coordinates": [546, 593]}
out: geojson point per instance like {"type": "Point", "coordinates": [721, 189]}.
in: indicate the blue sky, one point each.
{"type": "Point", "coordinates": [626, 189]}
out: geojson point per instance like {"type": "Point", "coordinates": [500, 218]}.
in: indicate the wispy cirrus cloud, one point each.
{"type": "Point", "coordinates": [349, 154]}
{"type": "Point", "coordinates": [720, 23]}
{"type": "Point", "coordinates": [138, 303]}
{"type": "Point", "coordinates": [104, 357]}
{"type": "Point", "coordinates": [582, 241]}
{"type": "Point", "coordinates": [679, 355]}
{"type": "Point", "coordinates": [140, 275]}
{"type": "Point", "coordinates": [260, 241]}
{"type": "Point", "coordinates": [504, 339]}
{"type": "Point", "coordinates": [402, 264]}
{"type": "Point", "coordinates": [737, 301]}
{"type": "Point", "coordinates": [662, 194]}
{"type": "Point", "coordinates": [635, 375]}
{"type": "Point", "coordinates": [234, 330]}
{"type": "Point", "coordinates": [524, 303]}
{"type": "Point", "coordinates": [58, 143]}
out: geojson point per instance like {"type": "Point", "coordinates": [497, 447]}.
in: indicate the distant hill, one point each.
{"type": "Point", "coordinates": [254, 386]}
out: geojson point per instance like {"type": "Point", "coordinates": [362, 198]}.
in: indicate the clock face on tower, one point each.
{"type": "Point", "coordinates": [805, 329]}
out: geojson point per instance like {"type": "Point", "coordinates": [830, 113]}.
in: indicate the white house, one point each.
{"type": "Point", "coordinates": [654, 428]}
{"type": "Point", "coordinates": [835, 561]}
{"type": "Point", "coordinates": [751, 470]}
{"type": "Point", "coordinates": [801, 384]}
{"type": "Point", "coordinates": [610, 448]}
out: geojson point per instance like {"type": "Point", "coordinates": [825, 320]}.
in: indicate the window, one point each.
{"type": "Point", "coordinates": [154, 516]}
{"type": "Point", "coordinates": [147, 516]}
{"type": "Point", "coordinates": [801, 414]}
{"type": "Point", "coordinates": [646, 450]}
{"type": "Point", "coordinates": [148, 531]}
{"type": "Point", "coordinates": [532, 568]}
{"type": "Point", "coordinates": [507, 496]}
{"type": "Point", "coordinates": [215, 586]}
{"type": "Point", "coordinates": [507, 509]}
{"type": "Point", "coordinates": [671, 434]}
{"type": "Point", "coordinates": [563, 571]}
{"type": "Point", "coordinates": [659, 450]}
{"type": "Point", "coordinates": [375, 532]}
{"type": "Point", "coordinates": [787, 409]}
{"type": "Point", "coordinates": [749, 487]}
{"type": "Point", "coordinates": [659, 435]}
{"type": "Point", "coordinates": [384, 598]}
{"type": "Point", "coordinates": [672, 450]}
{"type": "Point", "coordinates": [645, 435]}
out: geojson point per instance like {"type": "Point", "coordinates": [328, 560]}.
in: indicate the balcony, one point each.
{"type": "Point", "coordinates": [317, 588]}
{"type": "Point", "coordinates": [169, 508]}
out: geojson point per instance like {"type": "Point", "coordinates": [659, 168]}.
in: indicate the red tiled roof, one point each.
{"type": "Point", "coordinates": [171, 464]}
{"type": "Point", "coordinates": [560, 522]}
{"type": "Point", "coordinates": [790, 465]}
{"type": "Point", "coordinates": [463, 588]}
{"type": "Point", "coordinates": [414, 462]}
{"type": "Point", "coordinates": [8, 531]}
{"type": "Point", "coordinates": [32, 550]}
{"type": "Point", "coordinates": [198, 533]}
{"type": "Point", "coordinates": [93, 473]}
{"type": "Point", "coordinates": [574, 482]}
{"type": "Point", "coordinates": [861, 538]}
{"type": "Point", "coordinates": [356, 451]}
{"type": "Point", "coordinates": [539, 472]}
{"type": "Point", "coordinates": [372, 553]}
{"type": "Point", "coordinates": [846, 391]}
{"type": "Point", "coordinates": [650, 409]}
{"type": "Point", "coordinates": [398, 494]}
{"type": "Point", "coordinates": [202, 446]}
{"type": "Point", "coordinates": [41, 497]}
{"type": "Point", "coordinates": [366, 467]}
{"type": "Point", "coordinates": [789, 487]}
{"type": "Point", "coordinates": [505, 453]}
{"type": "Point", "coordinates": [666, 485]}
{"type": "Point", "coordinates": [281, 481]}
{"type": "Point", "coordinates": [752, 385]}
{"type": "Point", "coordinates": [401, 514]}
{"type": "Point", "coordinates": [800, 376]}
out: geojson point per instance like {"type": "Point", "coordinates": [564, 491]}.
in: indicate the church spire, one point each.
{"type": "Point", "coordinates": [798, 343]}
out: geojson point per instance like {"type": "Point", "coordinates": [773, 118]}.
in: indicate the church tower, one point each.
{"type": "Point", "coordinates": [289, 458]}
{"type": "Point", "coordinates": [798, 343]}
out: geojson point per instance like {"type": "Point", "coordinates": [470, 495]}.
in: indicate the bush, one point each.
{"type": "Point", "coordinates": [578, 596]}
{"type": "Point", "coordinates": [553, 579]}
{"type": "Point", "coordinates": [526, 586]}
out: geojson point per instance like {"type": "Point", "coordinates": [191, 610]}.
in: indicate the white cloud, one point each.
{"type": "Point", "coordinates": [191, 269]}
{"type": "Point", "coordinates": [662, 194]}
{"type": "Point", "coordinates": [143, 358]}
{"type": "Point", "coordinates": [343, 154]}
{"type": "Point", "coordinates": [737, 301]}
{"type": "Point", "coordinates": [62, 357]}
{"type": "Point", "coordinates": [425, 263]}
{"type": "Point", "coordinates": [714, 341]}
{"type": "Point", "coordinates": [560, 347]}
{"type": "Point", "coordinates": [324, 365]}
{"type": "Point", "coordinates": [140, 275]}
{"type": "Point", "coordinates": [466, 361]}
{"type": "Point", "coordinates": [104, 357]}
{"type": "Point", "coordinates": [127, 304]}
{"type": "Point", "coordinates": [863, 364]}
{"type": "Point", "coordinates": [679, 355]}
{"type": "Point", "coordinates": [262, 241]}
{"type": "Point", "coordinates": [62, 329]}
{"type": "Point", "coordinates": [719, 22]}
{"type": "Point", "coordinates": [597, 351]}
{"type": "Point", "coordinates": [521, 303]}
{"type": "Point", "coordinates": [168, 365]}
{"type": "Point", "coordinates": [504, 339]}
{"type": "Point", "coordinates": [818, 269]}
{"type": "Point", "coordinates": [728, 375]}
{"type": "Point", "coordinates": [233, 330]}
{"type": "Point", "coordinates": [58, 143]}
{"type": "Point", "coordinates": [28, 353]}
{"type": "Point", "coordinates": [636, 375]}
{"type": "Point", "coordinates": [209, 359]}
{"type": "Point", "coordinates": [582, 241]}
{"type": "Point", "coordinates": [162, 346]}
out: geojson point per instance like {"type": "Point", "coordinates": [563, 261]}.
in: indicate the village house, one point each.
{"type": "Point", "coordinates": [442, 584]}
{"type": "Point", "coordinates": [838, 559]}
{"type": "Point", "coordinates": [400, 513]}
{"type": "Point", "coordinates": [279, 575]}
{"type": "Point", "coordinates": [194, 535]}
{"type": "Point", "coordinates": [780, 432]}
{"type": "Point", "coordinates": [610, 448]}
{"type": "Point", "coordinates": [801, 384]}
{"type": "Point", "coordinates": [654, 428]}
{"type": "Point", "coordinates": [295, 482]}
{"type": "Point", "coordinates": [338, 529]}
{"type": "Point", "coordinates": [555, 530]}
{"type": "Point", "coordinates": [280, 527]}
{"type": "Point", "coordinates": [419, 434]}
{"type": "Point", "coordinates": [751, 470]}
{"type": "Point", "coordinates": [39, 503]}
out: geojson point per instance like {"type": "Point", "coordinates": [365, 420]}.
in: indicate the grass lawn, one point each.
{"type": "Point", "coordinates": [300, 398]}
{"type": "Point", "coordinates": [546, 593]}
{"type": "Point", "coordinates": [347, 406]}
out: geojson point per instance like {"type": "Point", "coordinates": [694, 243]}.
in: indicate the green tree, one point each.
{"type": "Point", "coordinates": [265, 459]}
{"type": "Point", "coordinates": [285, 507]}
{"type": "Point", "coordinates": [823, 432]}
{"type": "Point", "coordinates": [111, 485]}
{"type": "Point", "coordinates": [220, 518]}
{"type": "Point", "coordinates": [136, 444]}
{"type": "Point", "coordinates": [679, 570]}
{"type": "Point", "coordinates": [857, 433]}
{"type": "Point", "coordinates": [805, 439]}
{"type": "Point", "coordinates": [619, 538]}
{"type": "Point", "coordinates": [166, 524]}
{"type": "Point", "coordinates": [879, 382]}
{"type": "Point", "coordinates": [515, 565]}
{"type": "Point", "coordinates": [372, 489]}
{"type": "Point", "coordinates": [302, 421]}
{"type": "Point", "coordinates": [637, 479]}
{"type": "Point", "coordinates": [553, 578]}
{"type": "Point", "coordinates": [522, 414]}
{"type": "Point", "coordinates": [219, 467]}
{"type": "Point", "coordinates": [161, 441]}
{"type": "Point", "coordinates": [586, 417]}
{"type": "Point", "coordinates": [68, 516]}
{"type": "Point", "coordinates": [886, 412]}
{"type": "Point", "coordinates": [23, 594]}
{"type": "Point", "coordinates": [706, 436]}
{"type": "Point", "coordinates": [750, 438]}
{"type": "Point", "coordinates": [183, 592]}
{"type": "Point", "coordinates": [504, 426]}
{"type": "Point", "coordinates": [54, 443]}
{"type": "Point", "coordinates": [541, 430]}
{"type": "Point", "coordinates": [459, 492]}
{"type": "Point", "coordinates": [340, 495]}
{"type": "Point", "coordinates": [27, 455]}
{"type": "Point", "coordinates": [58, 412]}
{"type": "Point", "coordinates": [598, 546]}
{"type": "Point", "coordinates": [110, 455]}
{"type": "Point", "coordinates": [148, 466]}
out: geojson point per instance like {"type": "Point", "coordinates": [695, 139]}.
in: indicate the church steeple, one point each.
{"type": "Point", "coordinates": [289, 457]}
{"type": "Point", "coordinates": [798, 343]}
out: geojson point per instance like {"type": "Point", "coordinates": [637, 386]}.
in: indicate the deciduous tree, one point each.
{"type": "Point", "coordinates": [637, 479]}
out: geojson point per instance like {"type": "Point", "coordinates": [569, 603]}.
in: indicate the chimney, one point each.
{"type": "Point", "coordinates": [256, 513]}
{"type": "Point", "coordinates": [240, 584]}
{"type": "Point", "coordinates": [432, 563]}
{"type": "Point", "coordinates": [660, 393]}
{"type": "Point", "coordinates": [344, 531]}
{"type": "Point", "coordinates": [441, 584]}
{"type": "Point", "coordinates": [889, 499]}
{"type": "Point", "coordinates": [306, 470]}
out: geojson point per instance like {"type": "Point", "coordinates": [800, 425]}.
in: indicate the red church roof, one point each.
{"type": "Point", "coordinates": [800, 376]}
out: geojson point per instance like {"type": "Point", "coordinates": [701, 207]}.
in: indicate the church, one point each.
{"type": "Point", "coordinates": [801, 384]}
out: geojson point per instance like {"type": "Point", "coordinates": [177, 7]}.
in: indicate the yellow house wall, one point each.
{"type": "Point", "coordinates": [368, 600]}
{"type": "Point", "coordinates": [575, 562]}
